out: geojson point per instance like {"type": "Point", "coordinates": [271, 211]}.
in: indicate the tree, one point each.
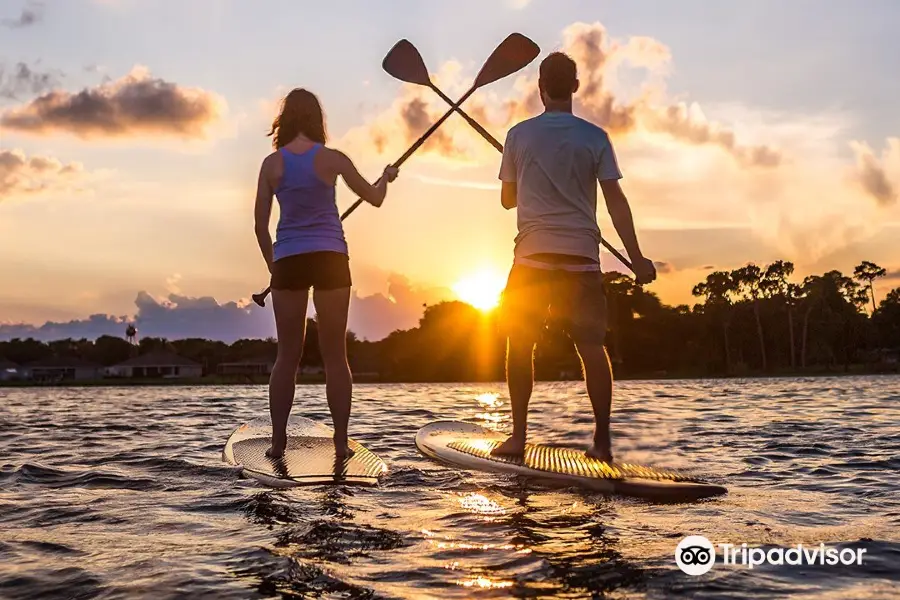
{"type": "Point", "coordinates": [775, 285]}
{"type": "Point", "coordinates": [749, 280]}
{"type": "Point", "coordinates": [887, 320]}
{"type": "Point", "coordinates": [717, 291]}
{"type": "Point", "coordinates": [866, 273]}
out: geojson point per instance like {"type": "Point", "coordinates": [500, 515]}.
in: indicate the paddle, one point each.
{"type": "Point", "coordinates": [404, 62]}
{"type": "Point", "coordinates": [513, 54]}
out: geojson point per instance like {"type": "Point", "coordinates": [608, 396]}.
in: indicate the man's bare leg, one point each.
{"type": "Point", "coordinates": [520, 381]}
{"type": "Point", "coordinates": [598, 377]}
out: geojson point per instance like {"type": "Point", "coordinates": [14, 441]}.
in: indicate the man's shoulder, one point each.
{"type": "Point", "coordinates": [523, 126]}
{"type": "Point", "coordinates": [591, 127]}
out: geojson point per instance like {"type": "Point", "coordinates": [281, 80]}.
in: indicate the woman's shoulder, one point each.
{"type": "Point", "coordinates": [272, 157]}
{"type": "Point", "coordinates": [333, 155]}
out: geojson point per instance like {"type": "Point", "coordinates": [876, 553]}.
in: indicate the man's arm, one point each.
{"type": "Point", "coordinates": [508, 194]}
{"type": "Point", "coordinates": [508, 189]}
{"type": "Point", "coordinates": [620, 213]}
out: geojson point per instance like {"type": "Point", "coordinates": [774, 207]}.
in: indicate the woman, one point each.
{"type": "Point", "coordinates": [309, 251]}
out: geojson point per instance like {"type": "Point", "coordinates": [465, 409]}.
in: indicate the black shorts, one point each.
{"type": "Point", "coordinates": [319, 270]}
{"type": "Point", "coordinates": [574, 300]}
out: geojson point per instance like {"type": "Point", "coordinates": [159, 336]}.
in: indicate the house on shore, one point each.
{"type": "Point", "coordinates": [9, 370]}
{"type": "Point", "coordinates": [156, 365]}
{"type": "Point", "coordinates": [61, 368]}
{"type": "Point", "coordinates": [246, 368]}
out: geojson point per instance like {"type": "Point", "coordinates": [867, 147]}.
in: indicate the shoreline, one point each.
{"type": "Point", "coordinates": [215, 380]}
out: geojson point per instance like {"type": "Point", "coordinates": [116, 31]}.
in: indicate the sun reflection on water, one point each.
{"type": "Point", "coordinates": [481, 504]}
{"type": "Point", "coordinates": [484, 582]}
{"type": "Point", "coordinates": [489, 400]}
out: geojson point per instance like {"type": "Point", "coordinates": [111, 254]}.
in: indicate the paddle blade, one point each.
{"type": "Point", "coordinates": [513, 53]}
{"type": "Point", "coordinates": [404, 62]}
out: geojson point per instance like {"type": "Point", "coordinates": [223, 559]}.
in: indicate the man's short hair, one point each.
{"type": "Point", "coordinates": [558, 75]}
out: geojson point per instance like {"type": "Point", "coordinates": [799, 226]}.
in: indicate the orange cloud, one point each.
{"type": "Point", "coordinates": [599, 59]}
{"type": "Point", "coordinates": [872, 173]}
{"type": "Point", "coordinates": [21, 175]}
{"type": "Point", "coordinates": [135, 105]}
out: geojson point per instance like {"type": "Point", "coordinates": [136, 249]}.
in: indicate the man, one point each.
{"type": "Point", "coordinates": [550, 168]}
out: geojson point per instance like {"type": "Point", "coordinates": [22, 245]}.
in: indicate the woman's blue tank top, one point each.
{"type": "Point", "coordinates": [309, 219]}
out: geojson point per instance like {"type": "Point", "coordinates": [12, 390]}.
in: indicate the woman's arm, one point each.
{"type": "Point", "coordinates": [373, 194]}
{"type": "Point", "coordinates": [262, 212]}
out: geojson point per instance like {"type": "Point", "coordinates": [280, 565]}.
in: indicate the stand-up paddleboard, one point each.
{"type": "Point", "coordinates": [469, 446]}
{"type": "Point", "coordinates": [308, 460]}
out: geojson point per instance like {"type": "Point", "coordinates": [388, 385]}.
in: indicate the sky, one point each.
{"type": "Point", "coordinates": [131, 134]}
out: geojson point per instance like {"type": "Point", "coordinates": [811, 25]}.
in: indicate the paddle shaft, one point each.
{"type": "Point", "coordinates": [421, 140]}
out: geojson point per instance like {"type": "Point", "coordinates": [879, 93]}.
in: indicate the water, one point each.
{"type": "Point", "coordinates": [121, 493]}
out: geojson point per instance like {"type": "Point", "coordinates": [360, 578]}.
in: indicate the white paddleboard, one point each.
{"type": "Point", "coordinates": [469, 446]}
{"type": "Point", "coordinates": [308, 460]}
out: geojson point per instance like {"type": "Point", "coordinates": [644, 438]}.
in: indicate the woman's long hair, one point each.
{"type": "Point", "coordinates": [300, 113]}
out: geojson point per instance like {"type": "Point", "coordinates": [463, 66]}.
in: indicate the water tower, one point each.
{"type": "Point", "coordinates": [131, 334]}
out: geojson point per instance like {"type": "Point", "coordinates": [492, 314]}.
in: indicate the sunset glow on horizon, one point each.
{"type": "Point", "coordinates": [142, 207]}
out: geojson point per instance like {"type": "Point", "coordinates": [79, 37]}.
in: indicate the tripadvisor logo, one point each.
{"type": "Point", "coordinates": [695, 555]}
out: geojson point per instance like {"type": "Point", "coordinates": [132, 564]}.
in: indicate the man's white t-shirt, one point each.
{"type": "Point", "coordinates": [556, 160]}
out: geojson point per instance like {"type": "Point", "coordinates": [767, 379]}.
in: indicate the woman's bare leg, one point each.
{"type": "Point", "coordinates": [290, 323]}
{"type": "Point", "coordinates": [332, 307]}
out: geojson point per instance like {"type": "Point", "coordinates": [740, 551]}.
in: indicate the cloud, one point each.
{"type": "Point", "coordinates": [872, 174]}
{"type": "Point", "coordinates": [600, 60]}
{"type": "Point", "coordinates": [172, 283]}
{"type": "Point", "coordinates": [30, 15]}
{"type": "Point", "coordinates": [135, 105]}
{"type": "Point", "coordinates": [22, 79]}
{"type": "Point", "coordinates": [796, 193]}
{"type": "Point", "coordinates": [375, 316]}
{"type": "Point", "coordinates": [177, 316]}
{"type": "Point", "coordinates": [23, 175]}
{"type": "Point", "coordinates": [663, 267]}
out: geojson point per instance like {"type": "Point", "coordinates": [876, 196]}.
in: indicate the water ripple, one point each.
{"type": "Point", "coordinates": [121, 493]}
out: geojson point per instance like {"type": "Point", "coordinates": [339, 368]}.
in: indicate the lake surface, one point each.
{"type": "Point", "coordinates": [122, 493]}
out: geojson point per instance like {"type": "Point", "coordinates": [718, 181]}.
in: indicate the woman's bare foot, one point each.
{"type": "Point", "coordinates": [276, 450]}
{"type": "Point", "coordinates": [513, 446]}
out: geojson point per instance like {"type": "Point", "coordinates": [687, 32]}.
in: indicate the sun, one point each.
{"type": "Point", "coordinates": [481, 289]}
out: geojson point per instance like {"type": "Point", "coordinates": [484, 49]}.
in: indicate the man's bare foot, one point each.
{"type": "Point", "coordinates": [513, 446]}
{"type": "Point", "coordinates": [342, 449]}
{"type": "Point", "coordinates": [603, 453]}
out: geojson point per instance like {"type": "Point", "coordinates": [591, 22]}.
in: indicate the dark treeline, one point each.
{"type": "Point", "coordinates": [752, 320]}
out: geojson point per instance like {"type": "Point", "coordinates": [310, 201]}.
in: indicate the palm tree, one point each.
{"type": "Point", "coordinates": [866, 273]}
{"type": "Point", "coordinates": [749, 279]}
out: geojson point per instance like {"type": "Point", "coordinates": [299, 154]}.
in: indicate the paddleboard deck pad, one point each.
{"type": "Point", "coordinates": [309, 458]}
{"type": "Point", "coordinates": [469, 445]}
